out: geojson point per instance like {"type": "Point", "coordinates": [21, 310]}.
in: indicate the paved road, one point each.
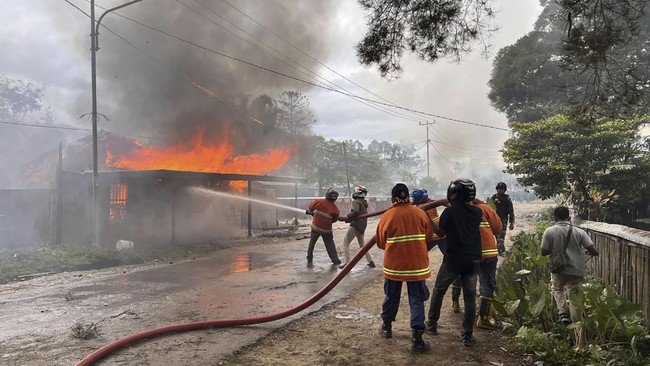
{"type": "Point", "coordinates": [248, 280]}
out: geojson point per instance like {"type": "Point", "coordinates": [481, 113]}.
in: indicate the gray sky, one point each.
{"type": "Point", "coordinates": [46, 42]}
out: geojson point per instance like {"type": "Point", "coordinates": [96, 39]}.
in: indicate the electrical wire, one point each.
{"type": "Point", "coordinates": [254, 65]}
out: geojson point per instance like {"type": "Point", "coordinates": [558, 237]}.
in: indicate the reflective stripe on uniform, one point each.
{"type": "Point", "coordinates": [490, 251]}
{"type": "Point", "coordinates": [484, 224]}
{"type": "Point", "coordinates": [407, 273]}
{"type": "Point", "coordinates": [405, 238]}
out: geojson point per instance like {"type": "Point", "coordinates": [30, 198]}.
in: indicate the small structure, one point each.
{"type": "Point", "coordinates": [154, 208]}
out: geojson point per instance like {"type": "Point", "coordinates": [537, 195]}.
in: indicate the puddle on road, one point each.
{"type": "Point", "coordinates": [241, 263]}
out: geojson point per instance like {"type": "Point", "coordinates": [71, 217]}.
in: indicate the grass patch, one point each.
{"type": "Point", "coordinates": [19, 263]}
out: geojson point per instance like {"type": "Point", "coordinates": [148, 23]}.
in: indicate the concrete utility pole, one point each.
{"type": "Point", "coordinates": [94, 47]}
{"type": "Point", "coordinates": [427, 124]}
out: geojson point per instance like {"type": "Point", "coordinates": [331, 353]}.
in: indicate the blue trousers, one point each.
{"type": "Point", "coordinates": [418, 293]}
{"type": "Point", "coordinates": [487, 280]}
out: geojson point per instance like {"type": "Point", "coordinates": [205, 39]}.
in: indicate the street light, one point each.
{"type": "Point", "coordinates": [94, 47]}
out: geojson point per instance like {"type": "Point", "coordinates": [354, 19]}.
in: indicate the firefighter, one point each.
{"type": "Point", "coordinates": [506, 212]}
{"type": "Point", "coordinates": [403, 232]}
{"type": "Point", "coordinates": [460, 223]}
{"type": "Point", "coordinates": [420, 196]}
{"type": "Point", "coordinates": [357, 226]}
{"type": "Point", "coordinates": [489, 228]}
{"type": "Point", "coordinates": [325, 213]}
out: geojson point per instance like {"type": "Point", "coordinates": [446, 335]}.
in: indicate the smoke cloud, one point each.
{"type": "Point", "coordinates": [182, 86]}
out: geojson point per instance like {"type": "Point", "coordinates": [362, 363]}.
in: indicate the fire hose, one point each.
{"type": "Point", "coordinates": [124, 342]}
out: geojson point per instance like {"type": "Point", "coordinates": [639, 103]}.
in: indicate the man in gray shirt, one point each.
{"type": "Point", "coordinates": [570, 278]}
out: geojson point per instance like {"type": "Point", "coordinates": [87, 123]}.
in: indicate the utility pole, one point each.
{"type": "Point", "coordinates": [427, 124]}
{"type": "Point", "coordinates": [94, 47]}
{"type": "Point", "coordinates": [347, 171]}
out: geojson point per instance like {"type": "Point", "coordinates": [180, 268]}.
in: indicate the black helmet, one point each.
{"type": "Point", "coordinates": [502, 185]}
{"type": "Point", "coordinates": [400, 193]}
{"type": "Point", "coordinates": [331, 195]}
{"type": "Point", "coordinates": [461, 190]}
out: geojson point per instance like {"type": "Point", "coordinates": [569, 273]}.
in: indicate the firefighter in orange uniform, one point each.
{"type": "Point", "coordinates": [490, 228]}
{"type": "Point", "coordinates": [325, 213]}
{"type": "Point", "coordinates": [403, 232]}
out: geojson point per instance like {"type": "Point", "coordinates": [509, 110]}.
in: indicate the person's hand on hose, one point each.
{"type": "Point", "coordinates": [308, 212]}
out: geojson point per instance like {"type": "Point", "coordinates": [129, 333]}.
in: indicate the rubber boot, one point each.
{"type": "Point", "coordinates": [386, 330]}
{"type": "Point", "coordinates": [483, 320]}
{"type": "Point", "coordinates": [419, 345]}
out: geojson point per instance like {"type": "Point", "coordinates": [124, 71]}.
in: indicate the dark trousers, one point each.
{"type": "Point", "coordinates": [418, 293]}
{"type": "Point", "coordinates": [328, 239]}
{"type": "Point", "coordinates": [487, 280]}
{"type": "Point", "coordinates": [501, 246]}
{"type": "Point", "coordinates": [468, 272]}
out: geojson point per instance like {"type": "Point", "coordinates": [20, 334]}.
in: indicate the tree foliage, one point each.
{"type": "Point", "coordinates": [18, 98]}
{"type": "Point", "coordinates": [295, 116]}
{"type": "Point", "coordinates": [378, 167]}
{"type": "Point", "coordinates": [558, 156]}
{"type": "Point", "coordinates": [584, 58]}
{"type": "Point", "coordinates": [429, 28]}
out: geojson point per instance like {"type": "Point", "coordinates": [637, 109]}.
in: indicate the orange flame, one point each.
{"type": "Point", "coordinates": [198, 155]}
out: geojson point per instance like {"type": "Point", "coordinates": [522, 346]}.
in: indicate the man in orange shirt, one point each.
{"type": "Point", "coordinates": [325, 213]}
{"type": "Point", "coordinates": [420, 197]}
{"type": "Point", "coordinates": [403, 232]}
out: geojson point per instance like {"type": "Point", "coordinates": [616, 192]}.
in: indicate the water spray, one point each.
{"type": "Point", "coordinates": [211, 192]}
{"type": "Point", "coordinates": [124, 342]}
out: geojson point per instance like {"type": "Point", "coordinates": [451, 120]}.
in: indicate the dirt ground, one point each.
{"type": "Point", "coordinates": [344, 331]}
{"type": "Point", "coordinates": [347, 332]}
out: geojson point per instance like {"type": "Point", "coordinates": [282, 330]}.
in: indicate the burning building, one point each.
{"type": "Point", "coordinates": [144, 191]}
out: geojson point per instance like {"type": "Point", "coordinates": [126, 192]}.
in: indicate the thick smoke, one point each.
{"type": "Point", "coordinates": [157, 97]}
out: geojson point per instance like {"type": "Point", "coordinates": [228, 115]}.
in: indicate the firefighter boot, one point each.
{"type": "Point", "coordinates": [455, 297]}
{"type": "Point", "coordinates": [483, 320]}
{"type": "Point", "coordinates": [419, 345]}
{"type": "Point", "coordinates": [386, 330]}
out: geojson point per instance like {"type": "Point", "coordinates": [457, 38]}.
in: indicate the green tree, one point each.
{"type": "Point", "coordinates": [558, 156]}
{"type": "Point", "coordinates": [264, 109]}
{"type": "Point", "coordinates": [295, 116]}
{"type": "Point", "coordinates": [18, 99]}
{"type": "Point", "coordinates": [584, 58]}
{"type": "Point", "coordinates": [429, 28]}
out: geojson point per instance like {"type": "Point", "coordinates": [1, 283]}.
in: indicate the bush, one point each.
{"type": "Point", "coordinates": [612, 330]}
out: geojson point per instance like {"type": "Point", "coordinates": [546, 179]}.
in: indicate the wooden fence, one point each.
{"type": "Point", "coordinates": [624, 260]}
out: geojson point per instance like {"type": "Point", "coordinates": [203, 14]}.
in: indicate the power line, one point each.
{"type": "Point", "coordinates": [305, 53]}
{"type": "Point", "coordinates": [311, 74]}
{"type": "Point", "coordinates": [211, 93]}
{"type": "Point", "coordinates": [305, 81]}
{"type": "Point", "coordinates": [45, 126]}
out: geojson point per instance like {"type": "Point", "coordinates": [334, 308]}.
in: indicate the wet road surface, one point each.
{"type": "Point", "coordinates": [262, 278]}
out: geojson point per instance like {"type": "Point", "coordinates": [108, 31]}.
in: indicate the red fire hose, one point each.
{"type": "Point", "coordinates": [124, 342]}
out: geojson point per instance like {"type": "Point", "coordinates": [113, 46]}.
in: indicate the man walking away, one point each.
{"type": "Point", "coordinates": [325, 213]}
{"type": "Point", "coordinates": [357, 226]}
{"type": "Point", "coordinates": [460, 223]}
{"type": "Point", "coordinates": [569, 279]}
{"type": "Point", "coordinates": [403, 232]}
{"type": "Point", "coordinates": [506, 212]}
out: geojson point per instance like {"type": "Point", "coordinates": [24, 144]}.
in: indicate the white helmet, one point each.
{"type": "Point", "coordinates": [359, 192]}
